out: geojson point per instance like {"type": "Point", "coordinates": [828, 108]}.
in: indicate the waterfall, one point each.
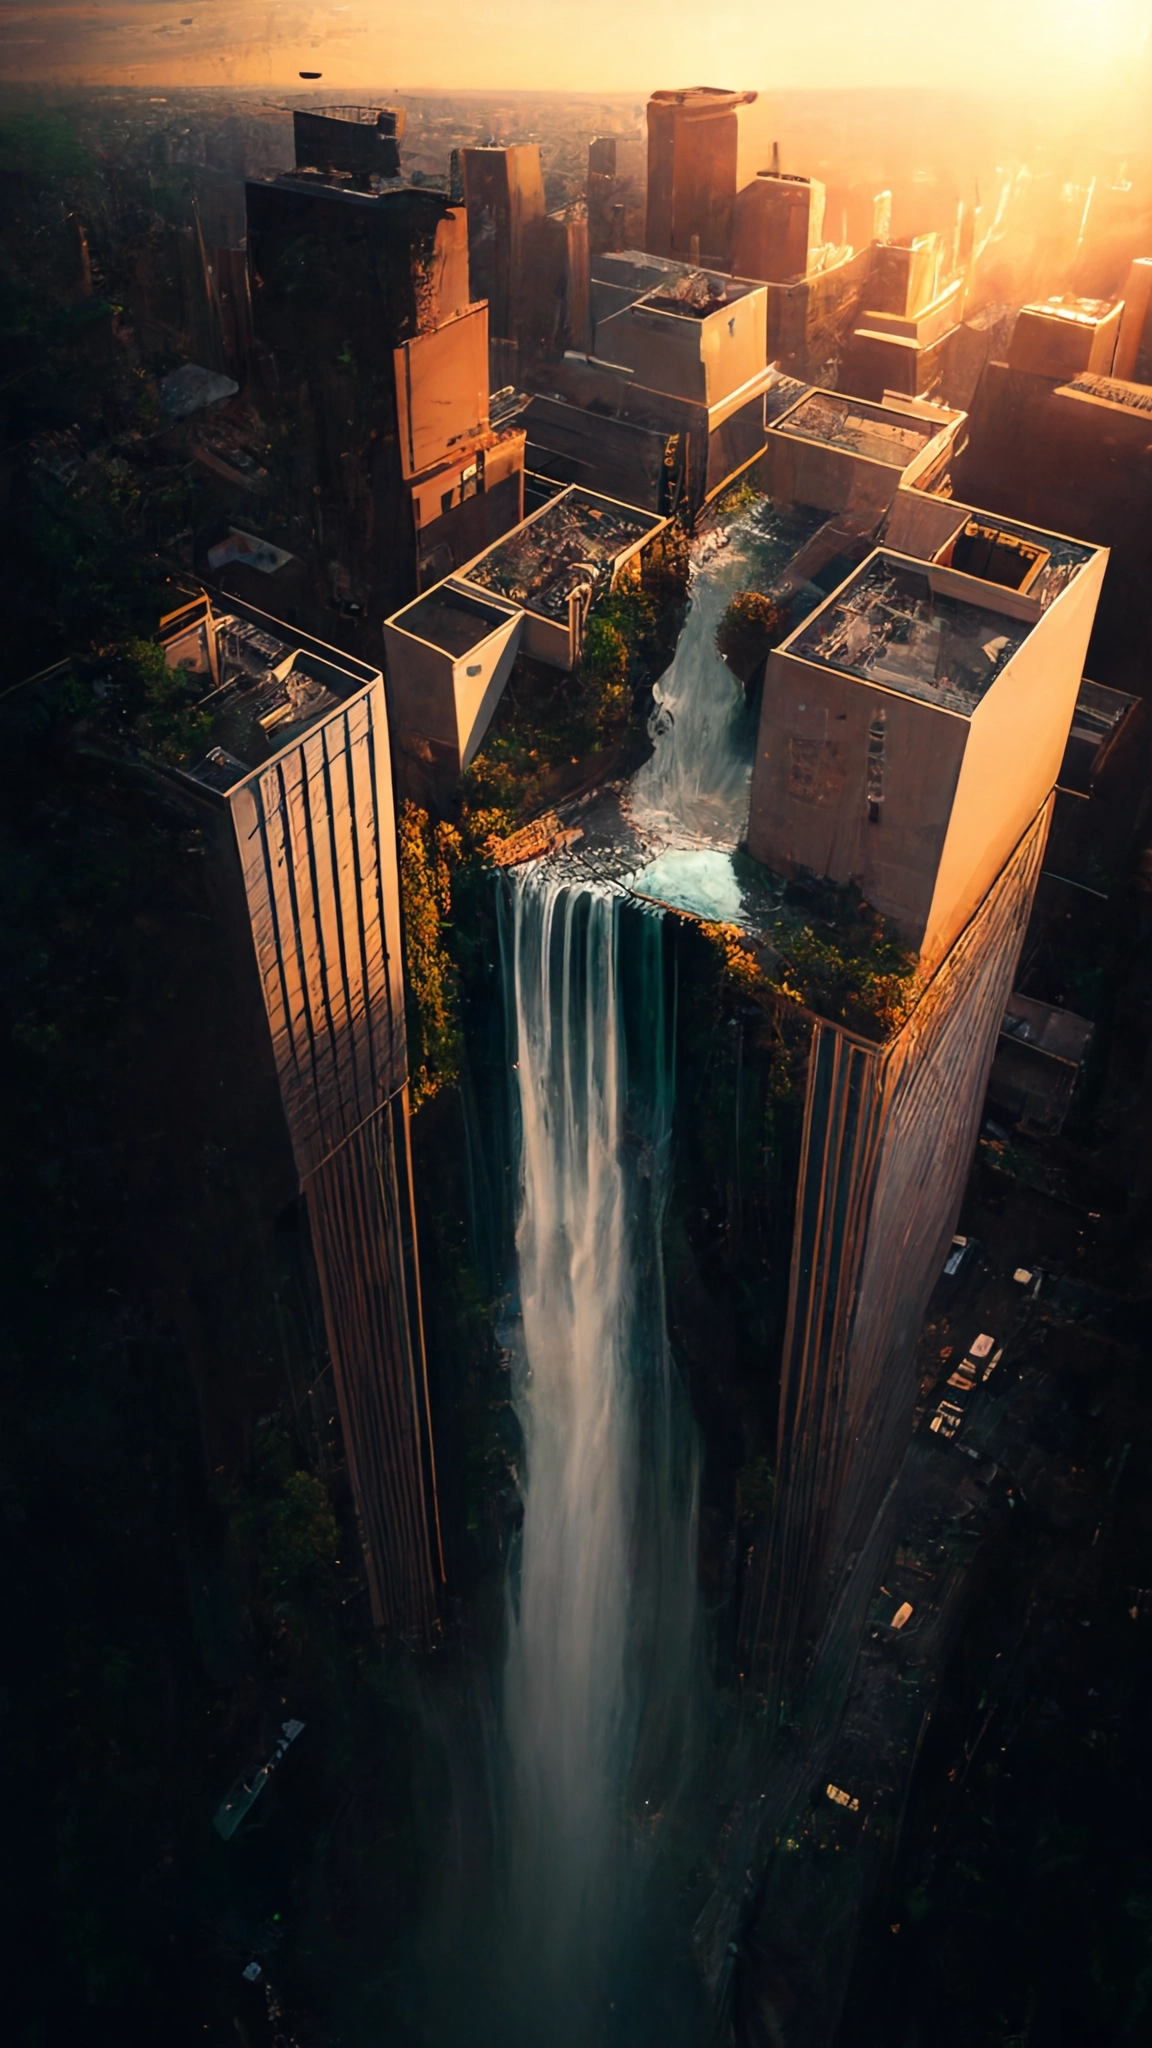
{"type": "Point", "coordinates": [602, 1602]}
{"type": "Point", "coordinates": [601, 1640]}
{"type": "Point", "coordinates": [699, 778]}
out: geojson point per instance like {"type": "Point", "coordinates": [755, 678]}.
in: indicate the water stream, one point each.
{"type": "Point", "coordinates": [592, 1389]}
{"type": "Point", "coordinates": [598, 1681]}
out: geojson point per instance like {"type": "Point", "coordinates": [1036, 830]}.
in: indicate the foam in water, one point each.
{"type": "Point", "coordinates": [699, 779]}
{"type": "Point", "coordinates": [699, 879]}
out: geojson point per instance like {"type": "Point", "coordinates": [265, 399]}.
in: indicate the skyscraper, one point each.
{"type": "Point", "coordinates": [296, 793]}
{"type": "Point", "coordinates": [370, 338]}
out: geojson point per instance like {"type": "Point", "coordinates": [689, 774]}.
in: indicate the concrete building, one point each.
{"type": "Point", "coordinates": [924, 710]}
{"type": "Point", "coordinates": [668, 408]}
{"type": "Point", "coordinates": [616, 192]}
{"type": "Point", "coordinates": [450, 654]}
{"type": "Point", "coordinates": [1066, 336]}
{"type": "Point", "coordinates": [779, 227]}
{"type": "Point", "coordinates": [1071, 454]}
{"type": "Point", "coordinates": [372, 341]}
{"type": "Point", "coordinates": [915, 724]}
{"type": "Point", "coordinates": [296, 792]}
{"type": "Point", "coordinates": [702, 338]}
{"type": "Point", "coordinates": [913, 306]}
{"type": "Point", "coordinates": [504, 198]}
{"type": "Point", "coordinates": [841, 454]}
{"type": "Point", "coordinates": [693, 158]}
{"type": "Point", "coordinates": [815, 287]}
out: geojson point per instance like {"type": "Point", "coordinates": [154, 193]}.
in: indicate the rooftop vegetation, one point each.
{"type": "Point", "coordinates": [551, 724]}
{"type": "Point", "coordinates": [828, 951]}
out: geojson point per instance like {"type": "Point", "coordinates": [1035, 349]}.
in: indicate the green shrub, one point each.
{"type": "Point", "coordinates": [428, 853]}
{"type": "Point", "coordinates": [751, 627]}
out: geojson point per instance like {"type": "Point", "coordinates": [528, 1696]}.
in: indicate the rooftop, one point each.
{"type": "Point", "coordinates": [575, 540]}
{"type": "Point", "coordinates": [1077, 312]}
{"type": "Point", "coordinates": [269, 689]}
{"type": "Point", "coordinates": [897, 623]}
{"type": "Point", "coordinates": [878, 432]}
{"type": "Point", "coordinates": [448, 618]}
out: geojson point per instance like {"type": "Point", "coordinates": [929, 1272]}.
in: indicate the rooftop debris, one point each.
{"type": "Point", "coordinates": [878, 432]}
{"type": "Point", "coordinates": [574, 542]}
{"type": "Point", "coordinates": [544, 835]}
{"type": "Point", "coordinates": [892, 627]}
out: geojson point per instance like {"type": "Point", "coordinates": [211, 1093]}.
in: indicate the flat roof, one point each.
{"type": "Point", "coordinates": [576, 538]}
{"type": "Point", "coordinates": [451, 619]}
{"type": "Point", "coordinates": [879, 432]}
{"type": "Point", "coordinates": [893, 624]}
{"type": "Point", "coordinates": [273, 686]}
{"type": "Point", "coordinates": [1076, 312]}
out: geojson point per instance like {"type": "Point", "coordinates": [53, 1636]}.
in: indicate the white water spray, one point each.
{"type": "Point", "coordinates": [605, 1592]}
{"type": "Point", "coordinates": [603, 1606]}
{"type": "Point", "coordinates": [566, 1686]}
{"type": "Point", "coordinates": [698, 782]}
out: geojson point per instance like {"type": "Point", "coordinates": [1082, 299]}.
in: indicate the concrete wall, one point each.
{"type": "Point", "coordinates": [809, 323]}
{"type": "Point", "coordinates": [316, 832]}
{"type": "Point", "coordinates": [810, 780]}
{"type": "Point", "coordinates": [442, 389]}
{"type": "Point", "coordinates": [705, 361]}
{"type": "Point", "coordinates": [829, 478]}
{"type": "Point", "coordinates": [1016, 740]}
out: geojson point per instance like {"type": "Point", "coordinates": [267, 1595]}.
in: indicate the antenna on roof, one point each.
{"type": "Point", "coordinates": [775, 159]}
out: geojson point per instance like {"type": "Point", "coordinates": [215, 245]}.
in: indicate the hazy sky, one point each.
{"type": "Point", "coordinates": [581, 45]}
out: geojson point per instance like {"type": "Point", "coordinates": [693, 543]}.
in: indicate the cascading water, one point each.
{"type": "Point", "coordinates": [566, 1683]}
{"type": "Point", "coordinates": [698, 779]}
{"type": "Point", "coordinates": [604, 1581]}
{"type": "Point", "coordinates": [601, 1633]}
